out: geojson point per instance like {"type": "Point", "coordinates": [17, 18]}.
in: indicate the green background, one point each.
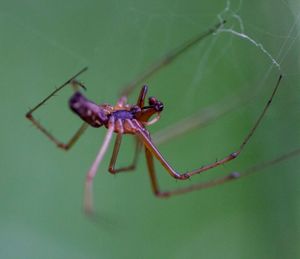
{"type": "Point", "coordinates": [43, 43]}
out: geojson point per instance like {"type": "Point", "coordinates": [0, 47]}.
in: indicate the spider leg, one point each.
{"type": "Point", "coordinates": [141, 99]}
{"type": "Point", "coordinates": [203, 117]}
{"type": "Point", "coordinates": [153, 178]}
{"type": "Point", "coordinates": [215, 182]}
{"type": "Point", "coordinates": [149, 145]}
{"type": "Point", "coordinates": [168, 59]}
{"type": "Point", "coordinates": [39, 126]}
{"type": "Point", "coordinates": [261, 116]}
{"type": "Point", "coordinates": [113, 160]}
{"type": "Point", "coordinates": [183, 176]}
{"type": "Point", "coordinates": [88, 197]}
{"type": "Point", "coordinates": [165, 194]}
{"type": "Point", "coordinates": [74, 138]}
{"type": "Point", "coordinates": [277, 160]}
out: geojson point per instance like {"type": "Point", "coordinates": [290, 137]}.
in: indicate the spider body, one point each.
{"type": "Point", "coordinates": [125, 117]}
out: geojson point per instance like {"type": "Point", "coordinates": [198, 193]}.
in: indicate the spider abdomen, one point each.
{"type": "Point", "coordinates": [88, 111]}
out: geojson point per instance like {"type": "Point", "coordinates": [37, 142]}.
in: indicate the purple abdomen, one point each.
{"type": "Point", "coordinates": [87, 110]}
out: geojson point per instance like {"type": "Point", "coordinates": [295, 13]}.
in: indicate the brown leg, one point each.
{"type": "Point", "coordinates": [164, 194]}
{"type": "Point", "coordinates": [152, 148]}
{"type": "Point", "coordinates": [79, 132]}
{"type": "Point", "coordinates": [198, 120]}
{"type": "Point", "coordinates": [113, 160]}
{"type": "Point", "coordinates": [74, 138]}
{"type": "Point", "coordinates": [277, 160]}
{"type": "Point", "coordinates": [215, 182]}
{"type": "Point", "coordinates": [151, 170]}
{"type": "Point", "coordinates": [169, 58]}
{"type": "Point", "coordinates": [141, 100]}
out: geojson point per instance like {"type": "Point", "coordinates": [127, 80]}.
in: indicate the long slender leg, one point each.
{"type": "Point", "coordinates": [74, 138]}
{"type": "Point", "coordinates": [153, 178]}
{"type": "Point", "coordinates": [113, 160]}
{"type": "Point", "coordinates": [152, 148]}
{"type": "Point", "coordinates": [203, 117]}
{"type": "Point", "coordinates": [215, 182]}
{"type": "Point", "coordinates": [88, 197]}
{"type": "Point", "coordinates": [78, 133]}
{"type": "Point", "coordinates": [164, 194]}
{"type": "Point", "coordinates": [170, 57]}
{"type": "Point", "coordinates": [141, 99]}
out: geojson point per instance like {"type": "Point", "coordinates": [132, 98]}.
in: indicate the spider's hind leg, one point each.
{"type": "Point", "coordinates": [218, 181]}
{"type": "Point", "coordinates": [39, 126]}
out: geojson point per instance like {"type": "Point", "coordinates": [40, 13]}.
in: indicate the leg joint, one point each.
{"type": "Point", "coordinates": [234, 154]}
{"type": "Point", "coordinates": [28, 115]}
{"type": "Point", "coordinates": [63, 146]}
{"type": "Point", "coordinates": [235, 175]}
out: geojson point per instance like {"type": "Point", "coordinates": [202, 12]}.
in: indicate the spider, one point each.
{"type": "Point", "coordinates": [124, 118]}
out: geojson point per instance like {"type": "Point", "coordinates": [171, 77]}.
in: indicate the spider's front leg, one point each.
{"type": "Point", "coordinates": [164, 194]}
{"type": "Point", "coordinates": [152, 150]}
{"type": "Point", "coordinates": [145, 139]}
{"type": "Point", "coordinates": [78, 133]}
{"type": "Point", "coordinates": [224, 179]}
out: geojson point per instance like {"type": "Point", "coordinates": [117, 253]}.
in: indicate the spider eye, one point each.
{"type": "Point", "coordinates": [152, 100]}
{"type": "Point", "coordinates": [158, 106]}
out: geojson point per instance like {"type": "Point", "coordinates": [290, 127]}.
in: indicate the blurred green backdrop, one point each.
{"type": "Point", "coordinates": [43, 43]}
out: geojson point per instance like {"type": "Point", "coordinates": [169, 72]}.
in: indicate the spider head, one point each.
{"type": "Point", "coordinates": [144, 113]}
{"type": "Point", "coordinates": [156, 104]}
{"type": "Point", "coordinates": [88, 111]}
